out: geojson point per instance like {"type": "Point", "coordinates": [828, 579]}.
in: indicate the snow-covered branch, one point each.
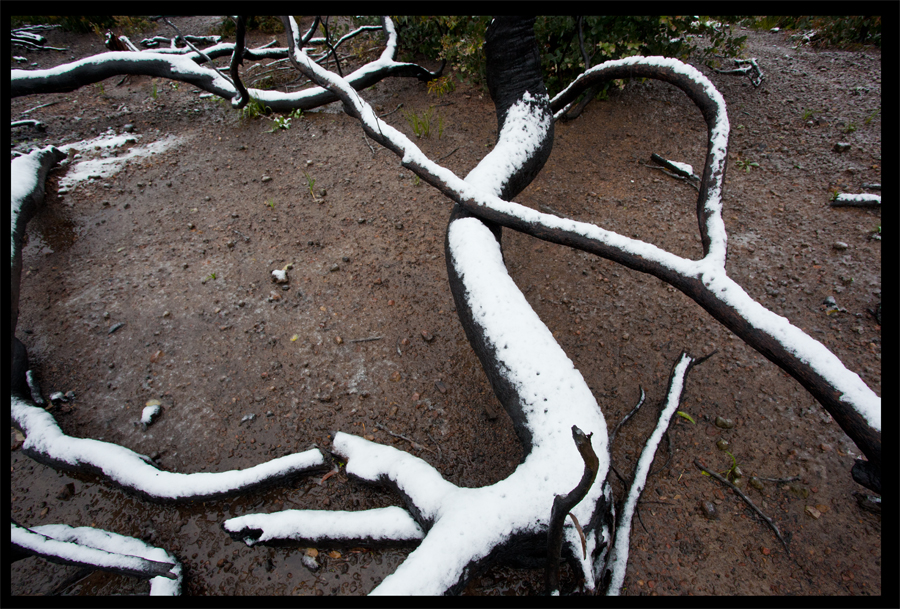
{"type": "Point", "coordinates": [855, 407]}
{"type": "Point", "coordinates": [95, 548]}
{"type": "Point", "coordinates": [71, 76]}
{"type": "Point", "coordinates": [45, 442]}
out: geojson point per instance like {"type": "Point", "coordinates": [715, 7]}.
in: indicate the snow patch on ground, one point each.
{"type": "Point", "coordinates": [106, 155]}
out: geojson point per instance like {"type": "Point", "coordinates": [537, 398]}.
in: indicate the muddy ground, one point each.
{"type": "Point", "coordinates": [179, 246]}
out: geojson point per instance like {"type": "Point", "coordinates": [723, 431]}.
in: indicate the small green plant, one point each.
{"type": "Point", "coordinates": [422, 123]}
{"type": "Point", "coordinates": [281, 122]}
{"type": "Point", "coordinates": [153, 90]}
{"type": "Point", "coordinates": [271, 203]}
{"type": "Point", "coordinates": [877, 229]}
{"type": "Point", "coordinates": [311, 183]}
{"type": "Point", "coordinates": [174, 84]}
{"type": "Point", "coordinates": [100, 88]}
{"type": "Point", "coordinates": [209, 277]}
{"type": "Point", "coordinates": [746, 165]}
{"type": "Point", "coordinates": [872, 116]}
{"type": "Point", "coordinates": [834, 194]}
{"type": "Point", "coordinates": [254, 109]}
{"type": "Point", "coordinates": [807, 114]}
{"type": "Point", "coordinates": [417, 181]}
{"type": "Point", "coordinates": [850, 128]}
{"type": "Point", "coordinates": [441, 86]}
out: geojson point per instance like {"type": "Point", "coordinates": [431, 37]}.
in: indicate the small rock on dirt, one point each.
{"type": "Point", "coordinates": [66, 491]}
{"type": "Point", "coordinates": [709, 510]}
{"type": "Point", "coordinates": [841, 147]}
{"type": "Point", "coordinates": [724, 423]}
{"type": "Point", "coordinates": [840, 245]}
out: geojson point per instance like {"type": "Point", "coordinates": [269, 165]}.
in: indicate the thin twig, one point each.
{"type": "Point", "coordinates": [392, 111]}
{"type": "Point", "coordinates": [791, 479]}
{"type": "Point", "coordinates": [748, 502]}
{"type": "Point", "coordinates": [364, 340]}
{"type": "Point", "coordinates": [56, 102]}
{"type": "Point", "coordinates": [448, 154]}
{"type": "Point", "coordinates": [615, 430]}
{"type": "Point", "coordinates": [366, 140]}
{"type": "Point", "coordinates": [402, 437]}
{"type": "Point", "coordinates": [440, 454]}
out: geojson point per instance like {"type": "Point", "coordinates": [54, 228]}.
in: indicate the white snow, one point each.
{"type": "Point", "coordinates": [854, 391]}
{"type": "Point", "coordinates": [683, 167]}
{"type": "Point", "coordinates": [97, 547]}
{"type": "Point", "coordinates": [623, 534]}
{"type": "Point", "coordinates": [23, 177]}
{"type": "Point", "coordinates": [130, 469]}
{"type": "Point", "coordinates": [380, 524]}
{"type": "Point", "coordinates": [149, 413]}
{"type": "Point", "coordinates": [859, 198]}
{"type": "Point", "coordinates": [521, 135]}
{"type": "Point", "coordinates": [104, 166]}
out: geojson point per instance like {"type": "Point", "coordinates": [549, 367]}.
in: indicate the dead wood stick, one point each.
{"type": "Point", "coordinates": [364, 340]}
{"type": "Point", "coordinates": [748, 502]}
{"type": "Point", "coordinates": [402, 437]}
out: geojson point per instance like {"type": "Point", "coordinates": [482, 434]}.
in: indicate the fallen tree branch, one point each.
{"type": "Point", "coordinates": [747, 501]}
{"type": "Point", "coordinates": [863, 200]}
{"type": "Point", "coordinates": [94, 548]}
{"type": "Point", "coordinates": [619, 558]}
{"type": "Point", "coordinates": [46, 443]}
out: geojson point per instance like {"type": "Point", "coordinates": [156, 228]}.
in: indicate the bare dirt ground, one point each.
{"type": "Point", "coordinates": [179, 246]}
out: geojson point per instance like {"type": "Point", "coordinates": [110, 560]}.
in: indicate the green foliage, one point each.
{"type": "Point", "coordinates": [872, 116]}
{"type": "Point", "coordinates": [271, 203]}
{"type": "Point", "coordinates": [267, 25]}
{"type": "Point", "coordinates": [153, 90]}
{"type": "Point", "coordinates": [422, 123]}
{"type": "Point", "coordinates": [850, 128]}
{"type": "Point", "coordinates": [281, 122]}
{"type": "Point", "coordinates": [254, 109]}
{"type": "Point", "coordinates": [832, 31]}
{"type": "Point", "coordinates": [441, 86]}
{"type": "Point", "coordinates": [84, 24]}
{"type": "Point", "coordinates": [746, 165]}
{"type": "Point", "coordinates": [459, 40]}
{"type": "Point", "coordinates": [311, 183]}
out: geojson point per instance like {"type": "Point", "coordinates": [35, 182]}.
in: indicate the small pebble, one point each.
{"type": "Point", "coordinates": [722, 444]}
{"type": "Point", "coordinates": [840, 245]}
{"type": "Point", "coordinates": [266, 178]}
{"type": "Point", "coordinates": [724, 423]}
{"type": "Point", "coordinates": [709, 510]}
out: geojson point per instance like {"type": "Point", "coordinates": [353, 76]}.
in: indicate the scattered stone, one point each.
{"type": "Point", "coordinates": [323, 192]}
{"type": "Point", "coordinates": [709, 510]}
{"type": "Point", "coordinates": [830, 301]}
{"type": "Point", "coordinates": [813, 512]}
{"type": "Point", "coordinates": [338, 340]}
{"type": "Point", "coordinates": [399, 225]}
{"type": "Point", "coordinates": [722, 444]}
{"type": "Point", "coordinates": [756, 483]}
{"type": "Point", "coordinates": [724, 423]}
{"type": "Point", "coordinates": [267, 178]}
{"type": "Point", "coordinates": [334, 268]}
{"type": "Point", "coordinates": [840, 245]}
{"type": "Point", "coordinates": [247, 418]}
{"type": "Point", "coordinates": [269, 413]}
{"type": "Point", "coordinates": [427, 336]}
{"type": "Point", "coordinates": [66, 491]}
{"type": "Point", "coordinates": [360, 220]}
{"type": "Point", "coordinates": [841, 147]}
{"type": "Point", "coordinates": [345, 258]}
{"type": "Point", "coordinates": [106, 315]}
{"type": "Point", "coordinates": [191, 225]}
{"type": "Point", "coordinates": [115, 327]}
{"type": "Point", "coordinates": [440, 386]}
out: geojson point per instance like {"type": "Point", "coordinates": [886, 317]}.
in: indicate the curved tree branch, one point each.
{"type": "Point", "coordinates": [855, 407]}
{"type": "Point", "coordinates": [46, 443]}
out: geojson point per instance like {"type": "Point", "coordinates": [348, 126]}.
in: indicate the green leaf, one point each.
{"type": "Point", "coordinates": [685, 415]}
